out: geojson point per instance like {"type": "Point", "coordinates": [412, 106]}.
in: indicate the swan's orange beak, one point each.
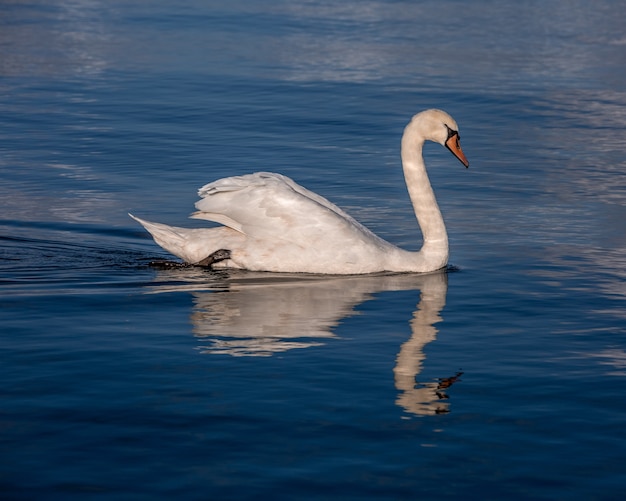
{"type": "Point", "coordinates": [454, 145]}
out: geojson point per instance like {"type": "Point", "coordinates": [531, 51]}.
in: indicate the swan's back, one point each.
{"type": "Point", "coordinates": [269, 205]}
{"type": "Point", "coordinates": [290, 226]}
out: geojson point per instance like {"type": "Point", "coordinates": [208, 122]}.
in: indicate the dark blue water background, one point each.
{"type": "Point", "coordinates": [119, 381]}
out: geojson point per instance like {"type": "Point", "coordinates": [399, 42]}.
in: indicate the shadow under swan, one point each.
{"type": "Point", "coordinates": [241, 313]}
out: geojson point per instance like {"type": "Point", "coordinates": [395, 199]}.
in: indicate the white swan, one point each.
{"type": "Point", "coordinates": [273, 224]}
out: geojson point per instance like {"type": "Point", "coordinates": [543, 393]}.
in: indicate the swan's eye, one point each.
{"type": "Point", "coordinates": [452, 132]}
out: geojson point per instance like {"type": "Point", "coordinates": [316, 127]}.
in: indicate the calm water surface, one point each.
{"type": "Point", "coordinates": [502, 378]}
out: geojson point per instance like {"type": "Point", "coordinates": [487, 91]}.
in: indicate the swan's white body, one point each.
{"type": "Point", "coordinates": [273, 224]}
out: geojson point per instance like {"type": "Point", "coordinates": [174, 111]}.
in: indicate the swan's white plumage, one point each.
{"type": "Point", "coordinates": [273, 224]}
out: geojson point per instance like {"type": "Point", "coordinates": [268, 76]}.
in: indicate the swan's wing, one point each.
{"type": "Point", "coordinates": [266, 205]}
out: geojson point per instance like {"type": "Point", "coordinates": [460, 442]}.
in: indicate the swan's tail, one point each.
{"type": "Point", "coordinates": [172, 239]}
{"type": "Point", "coordinates": [194, 245]}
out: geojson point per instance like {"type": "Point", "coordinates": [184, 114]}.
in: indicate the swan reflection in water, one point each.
{"type": "Point", "coordinates": [242, 313]}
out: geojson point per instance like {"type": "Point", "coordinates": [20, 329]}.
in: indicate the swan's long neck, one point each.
{"type": "Point", "coordinates": [434, 252]}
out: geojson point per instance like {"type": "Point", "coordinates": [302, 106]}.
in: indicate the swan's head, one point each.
{"type": "Point", "coordinates": [438, 126]}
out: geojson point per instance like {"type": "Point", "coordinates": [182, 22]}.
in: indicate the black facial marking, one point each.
{"type": "Point", "coordinates": [451, 132]}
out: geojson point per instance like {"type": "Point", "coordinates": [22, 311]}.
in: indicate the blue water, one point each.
{"type": "Point", "coordinates": [502, 378]}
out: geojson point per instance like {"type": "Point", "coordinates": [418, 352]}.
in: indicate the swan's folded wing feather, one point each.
{"type": "Point", "coordinates": [266, 205]}
{"type": "Point", "coordinates": [218, 218]}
